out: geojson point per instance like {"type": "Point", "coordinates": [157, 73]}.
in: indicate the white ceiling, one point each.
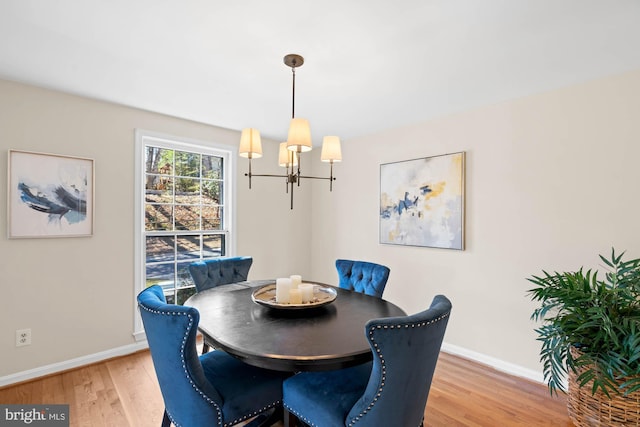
{"type": "Point", "coordinates": [369, 65]}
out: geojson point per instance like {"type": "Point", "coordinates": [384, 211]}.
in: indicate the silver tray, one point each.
{"type": "Point", "coordinates": [266, 296]}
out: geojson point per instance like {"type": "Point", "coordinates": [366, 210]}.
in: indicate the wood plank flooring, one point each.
{"type": "Point", "coordinates": [124, 392]}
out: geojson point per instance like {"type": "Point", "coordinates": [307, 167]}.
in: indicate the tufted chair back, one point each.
{"type": "Point", "coordinates": [361, 276]}
{"type": "Point", "coordinates": [189, 397]}
{"type": "Point", "coordinates": [390, 391]}
{"type": "Point", "coordinates": [220, 271]}
{"type": "Point", "coordinates": [405, 353]}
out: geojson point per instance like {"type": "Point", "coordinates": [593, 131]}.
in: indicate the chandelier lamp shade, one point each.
{"type": "Point", "coordinates": [286, 158]}
{"type": "Point", "coordinates": [250, 144]}
{"type": "Point", "coordinates": [298, 141]}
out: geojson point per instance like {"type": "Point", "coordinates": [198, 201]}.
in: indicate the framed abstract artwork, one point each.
{"type": "Point", "coordinates": [422, 202]}
{"type": "Point", "coordinates": [49, 195]}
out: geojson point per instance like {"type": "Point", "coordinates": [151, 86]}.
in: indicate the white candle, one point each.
{"type": "Point", "coordinates": [295, 296]}
{"type": "Point", "coordinates": [307, 292]}
{"type": "Point", "coordinates": [296, 279]}
{"type": "Point", "coordinates": [283, 286]}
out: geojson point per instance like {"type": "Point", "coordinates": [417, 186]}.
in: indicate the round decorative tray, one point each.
{"type": "Point", "coordinates": [266, 296]}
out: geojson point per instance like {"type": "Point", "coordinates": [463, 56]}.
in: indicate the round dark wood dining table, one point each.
{"type": "Point", "coordinates": [321, 338]}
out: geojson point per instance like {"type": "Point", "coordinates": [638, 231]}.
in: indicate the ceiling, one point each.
{"type": "Point", "coordinates": [370, 65]}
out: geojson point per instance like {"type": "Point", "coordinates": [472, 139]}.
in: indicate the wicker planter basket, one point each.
{"type": "Point", "coordinates": [587, 410]}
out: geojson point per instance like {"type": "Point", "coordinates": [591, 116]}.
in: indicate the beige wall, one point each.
{"type": "Point", "coordinates": [551, 181]}
{"type": "Point", "coordinates": [76, 294]}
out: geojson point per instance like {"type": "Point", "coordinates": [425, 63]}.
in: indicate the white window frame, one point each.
{"type": "Point", "coordinates": [227, 152]}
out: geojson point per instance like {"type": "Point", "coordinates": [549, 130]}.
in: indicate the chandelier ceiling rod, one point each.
{"type": "Point", "coordinates": [292, 60]}
{"type": "Point", "coordinates": [293, 88]}
{"type": "Point", "coordinates": [298, 141]}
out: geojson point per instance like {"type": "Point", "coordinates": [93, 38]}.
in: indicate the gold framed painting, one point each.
{"type": "Point", "coordinates": [422, 202]}
{"type": "Point", "coordinates": [50, 195]}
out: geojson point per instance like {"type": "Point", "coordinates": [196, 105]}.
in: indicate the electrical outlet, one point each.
{"type": "Point", "coordinates": [23, 337]}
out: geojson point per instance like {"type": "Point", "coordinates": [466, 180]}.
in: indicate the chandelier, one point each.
{"type": "Point", "coordinates": [298, 141]}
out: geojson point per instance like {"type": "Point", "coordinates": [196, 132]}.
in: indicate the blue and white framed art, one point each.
{"type": "Point", "coordinates": [50, 195]}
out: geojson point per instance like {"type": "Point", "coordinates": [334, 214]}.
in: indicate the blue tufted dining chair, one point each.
{"type": "Point", "coordinates": [361, 276]}
{"type": "Point", "coordinates": [214, 389]}
{"type": "Point", "coordinates": [391, 390]}
{"type": "Point", "coordinates": [220, 271]}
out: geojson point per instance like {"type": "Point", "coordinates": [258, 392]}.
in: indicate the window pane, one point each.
{"type": "Point", "coordinates": [158, 217]}
{"type": "Point", "coordinates": [158, 160]}
{"type": "Point", "coordinates": [161, 274]}
{"type": "Point", "coordinates": [188, 247]}
{"type": "Point", "coordinates": [159, 189]}
{"type": "Point", "coordinates": [187, 164]}
{"type": "Point", "coordinates": [187, 217]}
{"type": "Point", "coordinates": [170, 297]}
{"type": "Point", "coordinates": [212, 245]}
{"type": "Point", "coordinates": [160, 248]}
{"type": "Point", "coordinates": [184, 277]}
{"type": "Point", "coordinates": [211, 167]}
{"type": "Point", "coordinates": [211, 192]}
{"type": "Point", "coordinates": [187, 191]}
{"type": "Point", "coordinates": [212, 218]}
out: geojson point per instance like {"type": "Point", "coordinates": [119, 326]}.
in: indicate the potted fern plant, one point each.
{"type": "Point", "coordinates": [590, 333]}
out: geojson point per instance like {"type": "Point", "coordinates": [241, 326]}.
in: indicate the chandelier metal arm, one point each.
{"type": "Point", "coordinates": [331, 178]}
{"type": "Point", "coordinates": [293, 177]}
{"type": "Point", "coordinates": [270, 175]}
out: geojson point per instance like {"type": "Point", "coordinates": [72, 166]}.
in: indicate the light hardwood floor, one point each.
{"type": "Point", "coordinates": [124, 392]}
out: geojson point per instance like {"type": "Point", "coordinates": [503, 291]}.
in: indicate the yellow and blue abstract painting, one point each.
{"type": "Point", "coordinates": [422, 202]}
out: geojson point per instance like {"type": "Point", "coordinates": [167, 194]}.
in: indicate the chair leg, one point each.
{"type": "Point", "coordinates": [276, 415]}
{"type": "Point", "coordinates": [205, 348]}
{"type": "Point", "coordinates": [290, 420]}
{"type": "Point", "coordinates": [266, 419]}
{"type": "Point", "coordinates": [166, 422]}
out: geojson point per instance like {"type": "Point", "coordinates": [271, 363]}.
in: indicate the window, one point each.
{"type": "Point", "coordinates": [184, 210]}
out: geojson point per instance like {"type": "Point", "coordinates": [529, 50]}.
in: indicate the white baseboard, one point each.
{"type": "Point", "coordinates": [498, 364]}
{"type": "Point", "coordinates": [70, 364]}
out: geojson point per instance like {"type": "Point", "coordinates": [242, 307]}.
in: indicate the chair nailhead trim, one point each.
{"type": "Point", "coordinates": [383, 377]}
{"type": "Point", "coordinates": [204, 396]}
{"type": "Point", "coordinates": [184, 364]}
